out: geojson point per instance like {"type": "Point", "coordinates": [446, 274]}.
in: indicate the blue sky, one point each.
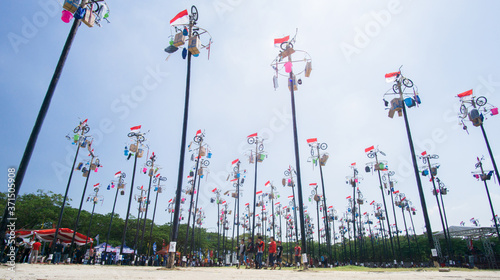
{"type": "Point", "coordinates": [444, 48]}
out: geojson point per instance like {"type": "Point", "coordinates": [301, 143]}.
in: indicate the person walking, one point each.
{"type": "Point", "coordinates": [279, 254]}
{"type": "Point", "coordinates": [260, 252]}
{"type": "Point", "coordinates": [241, 252]}
{"type": "Point", "coordinates": [297, 251]}
{"type": "Point", "coordinates": [26, 253]}
{"type": "Point", "coordinates": [250, 253]}
{"type": "Point", "coordinates": [272, 253]}
{"type": "Point", "coordinates": [35, 250]}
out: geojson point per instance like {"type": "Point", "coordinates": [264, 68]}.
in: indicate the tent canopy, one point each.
{"type": "Point", "coordinates": [47, 235]}
{"type": "Point", "coordinates": [462, 231]}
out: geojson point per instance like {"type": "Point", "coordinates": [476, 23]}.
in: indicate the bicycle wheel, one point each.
{"type": "Point", "coordinates": [197, 139]}
{"type": "Point", "coordinates": [206, 162]}
{"type": "Point", "coordinates": [407, 82]}
{"type": "Point", "coordinates": [86, 129]}
{"type": "Point", "coordinates": [481, 101]}
{"type": "Point", "coordinates": [463, 111]}
{"type": "Point", "coordinates": [251, 140]}
{"type": "Point", "coordinates": [261, 147]}
{"type": "Point", "coordinates": [194, 13]}
{"type": "Point", "coordinates": [235, 169]}
{"type": "Point", "coordinates": [287, 173]}
{"type": "Point", "coordinates": [131, 134]}
{"type": "Point", "coordinates": [323, 146]}
{"type": "Point", "coordinates": [76, 129]}
{"type": "Point", "coordinates": [141, 138]}
{"type": "Point", "coordinates": [312, 151]}
{"type": "Point", "coordinates": [370, 154]}
{"type": "Point", "coordinates": [284, 44]}
{"type": "Point", "coordinates": [395, 88]}
{"type": "Point", "coordinates": [149, 163]}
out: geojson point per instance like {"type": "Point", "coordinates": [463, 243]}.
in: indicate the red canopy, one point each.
{"type": "Point", "coordinates": [47, 235]}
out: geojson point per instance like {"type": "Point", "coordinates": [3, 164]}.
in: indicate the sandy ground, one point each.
{"type": "Point", "coordinates": [39, 272]}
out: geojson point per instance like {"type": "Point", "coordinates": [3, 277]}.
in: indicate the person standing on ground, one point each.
{"type": "Point", "coordinates": [297, 251]}
{"type": "Point", "coordinates": [279, 253]}
{"type": "Point", "coordinates": [26, 253]}
{"type": "Point", "coordinates": [35, 249]}
{"type": "Point", "coordinates": [58, 252]}
{"type": "Point", "coordinates": [260, 252]}
{"type": "Point", "coordinates": [241, 252]}
{"type": "Point", "coordinates": [272, 253]}
{"type": "Point", "coordinates": [250, 253]}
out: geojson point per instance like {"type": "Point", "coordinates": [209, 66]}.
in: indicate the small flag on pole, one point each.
{"type": "Point", "coordinates": [235, 161]}
{"type": "Point", "coordinates": [279, 41]}
{"type": "Point", "coordinates": [369, 149]}
{"type": "Point", "coordinates": [348, 197]}
{"type": "Point", "coordinates": [391, 77]}
{"type": "Point", "coordinates": [180, 18]}
{"type": "Point", "coordinates": [465, 93]}
{"type": "Point", "coordinates": [198, 132]}
{"type": "Point", "coordinates": [424, 153]}
{"type": "Point", "coordinates": [252, 135]}
{"type": "Point", "coordinates": [117, 174]}
{"type": "Point", "coordinates": [268, 183]}
{"type": "Point", "coordinates": [259, 192]}
{"type": "Point", "coordinates": [312, 140]}
{"type": "Point", "coordinates": [135, 128]}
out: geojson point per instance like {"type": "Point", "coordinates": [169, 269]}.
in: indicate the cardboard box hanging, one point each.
{"type": "Point", "coordinates": [179, 39]}
{"type": "Point", "coordinates": [194, 45]}
{"type": "Point", "coordinates": [71, 5]}
{"type": "Point", "coordinates": [89, 18]}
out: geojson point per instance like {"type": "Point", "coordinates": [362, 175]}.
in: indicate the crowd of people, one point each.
{"type": "Point", "coordinates": [250, 254]}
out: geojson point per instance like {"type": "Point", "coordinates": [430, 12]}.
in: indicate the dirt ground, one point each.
{"type": "Point", "coordinates": [91, 272]}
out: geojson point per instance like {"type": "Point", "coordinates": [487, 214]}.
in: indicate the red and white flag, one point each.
{"type": "Point", "coordinates": [312, 140]}
{"type": "Point", "coordinates": [396, 192]}
{"type": "Point", "coordinates": [312, 184]}
{"type": "Point", "coordinates": [268, 183]}
{"type": "Point", "coordinates": [369, 149]}
{"type": "Point", "coordinates": [180, 19]}
{"type": "Point", "coordinates": [391, 77]}
{"type": "Point", "coordinates": [330, 207]}
{"type": "Point", "coordinates": [119, 173]}
{"type": "Point", "coordinates": [214, 190]}
{"type": "Point", "coordinates": [135, 128]}
{"type": "Point", "coordinates": [277, 203]}
{"type": "Point", "coordinates": [157, 175]}
{"type": "Point", "coordinates": [259, 192]}
{"type": "Point", "coordinates": [170, 200]}
{"type": "Point", "coordinates": [247, 204]}
{"type": "Point", "coordinates": [291, 196]}
{"type": "Point", "coordinates": [96, 185]}
{"type": "Point", "coordinates": [371, 203]}
{"type": "Point", "coordinates": [252, 135]}
{"type": "Point", "coordinates": [465, 93]}
{"type": "Point", "coordinates": [353, 164]}
{"type": "Point", "coordinates": [424, 153]}
{"type": "Point", "coordinates": [85, 121]}
{"type": "Point", "coordinates": [198, 132]}
{"type": "Point", "coordinates": [279, 41]}
{"type": "Point", "coordinates": [348, 197]}
{"type": "Point", "coordinates": [235, 161]}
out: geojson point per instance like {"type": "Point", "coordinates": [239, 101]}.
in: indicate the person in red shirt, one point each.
{"type": "Point", "coordinates": [297, 255]}
{"type": "Point", "coordinates": [272, 252]}
{"type": "Point", "coordinates": [35, 249]}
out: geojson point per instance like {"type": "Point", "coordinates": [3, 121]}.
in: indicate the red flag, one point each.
{"type": "Point", "coordinates": [348, 197]}
{"type": "Point", "coordinates": [135, 128]}
{"type": "Point", "coordinates": [247, 204]}
{"type": "Point", "coordinates": [371, 203]}
{"type": "Point", "coordinates": [391, 77]}
{"type": "Point", "coordinates": [312, 140]}
{"type": "Point", "coordinates": [279, 41]}
{"type": "Point", "coordinates": [277, 203]}
{"type": "Point", "coordinates": [291, 196]}
{"type": "Point", "coordinates": [465, 93]}
{"type": "Point", "coordinates": [158, 175]}
{"type": "Point", "coordinates": [268, 183]}
{"type": "Point", "coordinates": [424, 153]}
{"type": "Point", "coordinates": [235, 161]}
{"type": "Point", "coordinates": [118, 173]}
{"type": "Point", "coordinates": [252, 135]}
{"type": "Point", "coordinates": [353, 164]}
{"type": "Point", "coordinates": [96, 185]}
{"type": "Point", "coordinates": [396, 192]}
{"type": "Point", "coordinates": [180, 18]}
{"type": "Point", "coordinates": [365, 213]}
{"type": "Point", "coordinates": [259, 192]}
{"type": "Point", "coordinates": [330, 207]}
{"type": "Point", "coordinates": [403, 198]}
{"type": "Point", "coordinates": [369, 149]}
{"type": "Point", "coordinates": [234, 180]}
{"type": "Point", "coordinates": [214, 190]}
{"type": "Point", "coordinates": [198, 132]}
{"type": "Point", "coordinates": [312, 184]}
{"type": "Point", "coordinates": [170, 201]}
